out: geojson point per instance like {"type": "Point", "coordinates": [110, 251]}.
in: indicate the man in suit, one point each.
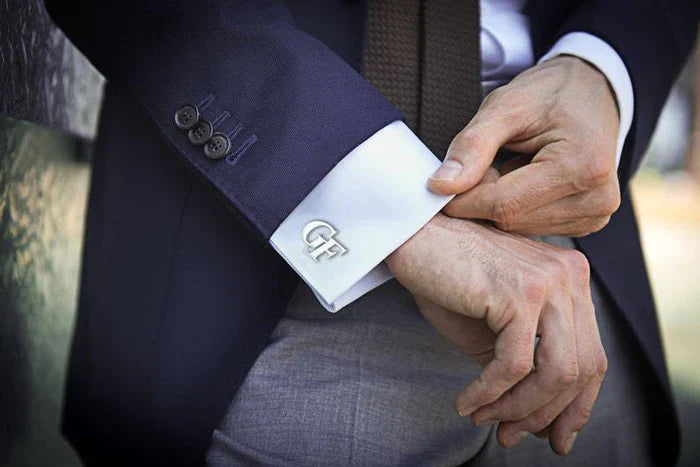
{"type": "Point", "coordinates": [264, 102]}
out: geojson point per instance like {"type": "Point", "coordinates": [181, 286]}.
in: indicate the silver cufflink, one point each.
{"type": "Point", "coordinates": [318, 236]}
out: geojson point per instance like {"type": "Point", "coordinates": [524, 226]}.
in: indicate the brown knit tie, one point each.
{"type": "Point", "coordinates": [424, 56]}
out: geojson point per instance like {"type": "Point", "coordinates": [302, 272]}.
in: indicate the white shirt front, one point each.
{"type": "Point", "coordinates": [376, 197]}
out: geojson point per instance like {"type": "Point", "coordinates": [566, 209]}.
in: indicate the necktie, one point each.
{"type": "Point", "coordinates": [424, 56]}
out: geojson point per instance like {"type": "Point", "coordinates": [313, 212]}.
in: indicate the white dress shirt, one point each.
{"type": "Point", "coordinates": [376, 197]}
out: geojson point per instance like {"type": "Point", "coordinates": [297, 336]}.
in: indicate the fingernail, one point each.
{"type": "Point", "coordinates": [516, 438]}
{"type": "Point", "coordinates": [449, 170]}
{"type": "Point", "coordinates": [464, 412]}
{"type": "Point", "coordinates": [569, 442]}
{"type": "Point", "coordinates": [484, 422]}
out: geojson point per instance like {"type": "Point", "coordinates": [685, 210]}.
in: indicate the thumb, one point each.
{"type": "Point", "coordinates": [471, 153]}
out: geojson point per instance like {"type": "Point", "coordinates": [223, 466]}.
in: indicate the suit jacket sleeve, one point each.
{"type": "Point", "coordinates": [292, 108]}
{"type": "Point", "coordinates": [653, 38]}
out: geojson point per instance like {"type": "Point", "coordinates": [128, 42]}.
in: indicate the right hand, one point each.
{"type": "Point", "coordinates": [462, 271]}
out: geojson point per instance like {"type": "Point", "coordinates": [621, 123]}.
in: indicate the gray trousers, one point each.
{"type": "Point", "coordinates": [375, 385]}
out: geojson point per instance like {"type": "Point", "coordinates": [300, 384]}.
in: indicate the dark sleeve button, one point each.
{"type": "Point", "coordinates": [218, 146]}
{"type": "Point", "coordinates": [201, 132]}
{"type": "Point", "coordinates": [187, 116]}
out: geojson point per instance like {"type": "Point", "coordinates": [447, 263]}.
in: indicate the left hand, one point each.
{"type": "Point", "coordinates": [476, 339]}
{"type": "Point", "coordinates": [491, 293]}
{"type": "Point", "coordinates": [564, 112]}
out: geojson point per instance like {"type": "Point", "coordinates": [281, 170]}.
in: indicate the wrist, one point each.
{"type": "Point", "coordinates": [397, 259]}
{"type": "Point", "coordinates": [415, 247]}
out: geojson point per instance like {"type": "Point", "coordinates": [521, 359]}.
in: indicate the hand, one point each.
{"type": "Point", "coordinates": [520, 289]}
{"type": "Point", "coordinates": [562, 111]}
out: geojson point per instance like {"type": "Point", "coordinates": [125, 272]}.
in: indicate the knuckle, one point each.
{"type": "Point", "coordinates": [606, 200]}
{"type": "Point", "coordinates": [612, 200]}
{"type": "Point", "coordinates": [504, 227]}
{"type": "Point", "coordinates": [557, 269]}
{"type": "Point", "coordinates": [496, 96]}
{"type": "Point", "coordinates": [468, 138]}
{"type": "Point", "coordinates": [591, 226]}
{"type": "Point", "coordinates": [519, 368]}
{"type": "Point", "coordinates": [588, 369]}
{"type": "Point", "coordinates": [505, 210]}
{"type": "Point", "coordinates": [451, 210]}
{"type": "Point", "coordinates": [581, 415]}
{"type": "Point", "coordinates": [482, 382]}
{"type": "Point", "coordinates": [598, 224]}
{"type": "Point", "coordinates": [601, 364]}
{"type": "Point", "coordinates": [515, 97]}
{"type": "Point", "coordinates": [567, 376]}
{"type": "Point", "coordinates": [599, 168]}
{"type": "Point", "coordinates": [542, 420]}
{"type": "Point", "coordinates": [497, 320]}
{"type": "Point", "coordinates": [616, 197]}
{"type": "Point", "coordinates": [535, 291]}
{"type": "Point", "coordinates": [578, 263]}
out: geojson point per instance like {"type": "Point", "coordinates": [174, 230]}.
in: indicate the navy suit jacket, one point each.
{"type": "Point", "coordinates": [179, 289]}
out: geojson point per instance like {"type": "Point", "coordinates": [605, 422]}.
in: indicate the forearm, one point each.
{"type": "Point", "coordinates": [301, 106]}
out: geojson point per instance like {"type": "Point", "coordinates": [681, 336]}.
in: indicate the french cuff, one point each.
{"type": "Point", "coordinates": [602, 56]}
{"type": "Point", "coordinates": [372, 201]}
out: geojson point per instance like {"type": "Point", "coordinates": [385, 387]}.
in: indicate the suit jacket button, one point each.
{"type": "Point", "coordinates": [187, 116]}
{"type": "Point", "coordinates": [218, 146]}
{"type": "Point", "coordinates": [200, 133]}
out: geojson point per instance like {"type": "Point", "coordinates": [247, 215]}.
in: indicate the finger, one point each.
{"type": "Point", "coordinates": [576, 405]}
{"type": "Point", "coordinates": [473, 149]}
{"type": "Point", "coordinates": [593, 368]}
{"type": "Point", "coordinates": [562, 433]}
{"type": "Point", "coordinates": [490, 176]}
{"type": "Point", "coordinates": [513, 359]}
{"type": "Point", "coordinates": [565, 416]}
{"type": "Point", "coordinates": [598, 202]}
{"type": "Point", "coordinates": [588, 211]}
{"type": "Point", "coordinates": [556, 368]}
{"type": "Point", "coordinates": [511, 433]}
{"type": "Point", "coordinates": [579, 228]}
{"type": "Point", "coordinates": [518, 192]}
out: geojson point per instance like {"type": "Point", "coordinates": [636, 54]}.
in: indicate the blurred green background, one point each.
{"type": "Point", "coordinates": [44, 177]}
